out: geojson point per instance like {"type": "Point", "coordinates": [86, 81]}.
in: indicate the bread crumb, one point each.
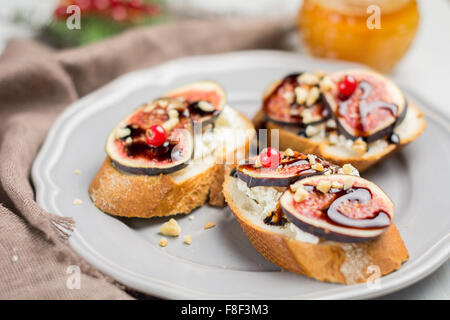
{"type": "Point", "coordinates": [77, 201]}
{"type": "Point", "coordinates": [300, 194]}
{"type": "Point", "coordinates": [163, 242]}
{"type": "Point", "coordinates": [188, 239]}
{"type": "Point", "coordinates": [324, 186]}
{"type": "Point", "coordinates": [77, 172]}
{"type": "Point", "coordinates": [170, 228]}
{"type": "Point", "coordinates": [191, 217]}
{"type": "Point", "coordinates": [209, 225]}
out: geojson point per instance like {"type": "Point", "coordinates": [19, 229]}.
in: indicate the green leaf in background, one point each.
{"type": "Point", "coordinates": [95, 28]}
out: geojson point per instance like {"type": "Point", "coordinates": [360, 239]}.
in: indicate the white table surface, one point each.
{"type": "Point", "coordinates": [426, 70]}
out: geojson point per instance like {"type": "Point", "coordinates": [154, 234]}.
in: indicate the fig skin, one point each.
{"type": "Point", "coordinates": [149, 171]}
{"type": "Point", "coordinates": [282, 179]}
{"type": "Point", "coordinates": [330, 231]}
{"type": "Point", "coordinates": [274, 181]}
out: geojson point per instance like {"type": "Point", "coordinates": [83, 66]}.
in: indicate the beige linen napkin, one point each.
{"type": "Point", "coordinates": [36, 84]}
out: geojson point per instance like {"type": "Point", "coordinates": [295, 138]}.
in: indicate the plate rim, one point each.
{"type": "Point", "coordinates": [438, 254]}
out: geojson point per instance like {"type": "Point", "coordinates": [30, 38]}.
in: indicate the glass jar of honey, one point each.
{"type": "Point", "coordinates": [377, 33]}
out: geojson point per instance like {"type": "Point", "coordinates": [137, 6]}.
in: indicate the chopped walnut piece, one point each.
{"type": "Point", "coordinates": [188, 239]}
{"type": "Point", "coordinates": [324, 186]}
{"type": "Point", "coordinates": [308, 78]}
{"type": "Point", "coordinates": [170, 228]}
{"type": "Point", "coordinates": [300, 194]}
{"type": "Point", "coordinates": [300, 95]}
{"type": "Point", "coordinates": [318, 167]}
{"type": "Point", "coordinates": [289, 152]}
{"type": "Point", "coordinates": [313, 95]}
{"type": "Point", "coordinates": [348, 169]}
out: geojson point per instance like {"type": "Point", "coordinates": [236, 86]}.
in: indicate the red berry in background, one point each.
{"type": "Point", "coordinates": [115, 2]}
{"type": "Point", "coordinates": [347, 86]}
{"type": "Point", "coordinates": [156, 135]}
{"type": "Point", "coordinates": [152, 9]}
{"type": "Point", "coordinates": [101, 4]}
{"type": "Point", "coordinates": [270, 158]}
{"type": "Point", "coordinates": [61, 12]}
{"type": "Point", "coordinates": [119, 13]}
{"type": "Point", "coordinates": [136, 4]}
{"type": "Point", "coordinates": [84, 5]}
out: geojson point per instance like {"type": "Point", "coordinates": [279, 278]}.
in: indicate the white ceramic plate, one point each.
{"type": "Point", "coordinates": [221, 263]}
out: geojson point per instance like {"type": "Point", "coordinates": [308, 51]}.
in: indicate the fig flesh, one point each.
{"type": "Point", "coordinates": [204, 100]}
{"type": "Point", "coordinates": [129, 151]}
{"type": "Point", "coordinates": [374, 109]}
{"type": "Point", "coordinates": [290, 169]}
{"type": "Point", "coordinates": [283, 104]}
{"type": "Point", "coordinates": [347, 209]}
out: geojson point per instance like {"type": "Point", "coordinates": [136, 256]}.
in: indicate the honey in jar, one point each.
{"type": "Point", "coordinates": [377, 33]}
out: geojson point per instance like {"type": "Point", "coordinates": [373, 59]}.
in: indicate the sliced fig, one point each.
{"type": "Point", "coordinates": [128, 147]}
{"type": "Point", "coordinates": [295, 100]}
{"type": "Point", "coordinates": [371, 111]}
{"type": "Point", "coordinates": [204, 100]}
{"type": "Point", "coordinates": [290, 169]}
{"type": "Point", "coordinates": [341, 208]}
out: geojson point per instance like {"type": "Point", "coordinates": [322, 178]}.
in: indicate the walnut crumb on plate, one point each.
{"type": "Point", "coordinates": [209, 225]}
{"type": "Point", "coordinates": [163, 242]}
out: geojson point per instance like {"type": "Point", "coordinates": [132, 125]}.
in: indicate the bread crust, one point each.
{"type": "Point", "coordinates": [326, 261]}
{"type": "Point", "coordinates": [119, 193]}
{"type": "Point", "coordinates": [290, 140]}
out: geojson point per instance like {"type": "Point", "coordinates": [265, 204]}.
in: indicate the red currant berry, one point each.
{"type": "Point", "coordinates": [347, 86]}
{"type": "Point", "coordinates": [156, 135]}
{"type": "Point", "coordinates": [270, 158]}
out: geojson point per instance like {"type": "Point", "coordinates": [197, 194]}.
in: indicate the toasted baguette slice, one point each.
{"type": "Point", "coordinates": [119, 193]}
{"type": "Point", "coordinates": [410, 129]}
{"type": "Point", "coordinates": [328, 261]}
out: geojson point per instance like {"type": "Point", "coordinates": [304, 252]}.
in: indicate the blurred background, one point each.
{"type": "Point", "coordinates": [409, 41]}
